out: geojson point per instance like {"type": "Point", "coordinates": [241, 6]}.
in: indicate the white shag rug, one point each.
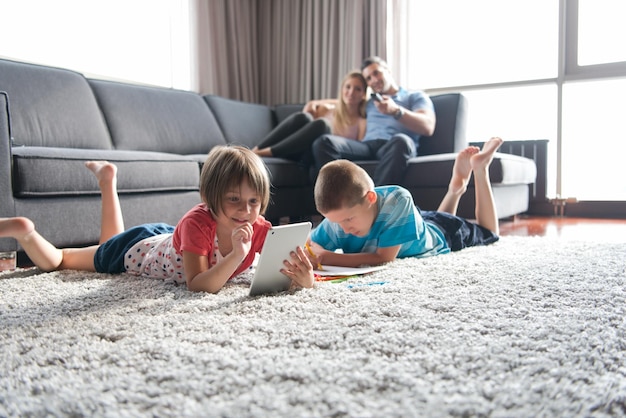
{"type": "Point", "coordinates": [527, 327]}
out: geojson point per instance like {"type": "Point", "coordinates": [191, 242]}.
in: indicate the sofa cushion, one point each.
{"type": "Point", "coordinates": [146, 118]}
{"type": "Point", "coordinates": [242, 123]}
{"type": "Point", "coordinates": [46, 171]}
{"type": "Point", "coordinates": [52, 107]}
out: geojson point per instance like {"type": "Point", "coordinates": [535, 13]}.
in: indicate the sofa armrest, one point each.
{"type": "Point", "coordinates": [7, 203]}
{"type": "Point", "coordinates": [450, 130]}
{"type": "Point", "coordinates": [242, 123]}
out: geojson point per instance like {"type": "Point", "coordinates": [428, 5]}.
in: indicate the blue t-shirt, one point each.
{"type": "Point", "coordinates": [399, 222]}
{"type": "Point", "coordinates": [381, 126]}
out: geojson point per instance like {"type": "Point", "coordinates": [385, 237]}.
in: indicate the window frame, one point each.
{"type": "Point", "coordinates": [573, 71]}
{"type": "Point", "coordinates": [568, 71]}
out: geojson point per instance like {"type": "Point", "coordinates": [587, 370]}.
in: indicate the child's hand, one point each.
{"type": "Point", "coordinates": [299, 269]}
{"type": "Point", "coordinates": [242, 240]}
{"type": "Point", "coordinates": [315, 254]}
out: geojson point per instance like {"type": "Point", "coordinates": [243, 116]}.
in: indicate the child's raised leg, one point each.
{"type": "Point", "coordinates": [486, 214]}
{"type": "Point", "coordinates": [474, 161]}
{"type": "Point", "coordinates": [45, 255]}
{"type": "Point", "coordinates": [461, 174]}
{"type": "Point", "coordinates": [112, 221]}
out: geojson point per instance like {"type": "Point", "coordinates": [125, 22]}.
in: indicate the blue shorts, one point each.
{"type": "Point", "coordinates": [460, 233]}
{"type": "Point", "coordinates": [109, 257]}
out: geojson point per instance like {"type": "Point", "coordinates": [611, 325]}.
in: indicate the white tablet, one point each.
{"type": "Point", "coordinates": [279, 243]}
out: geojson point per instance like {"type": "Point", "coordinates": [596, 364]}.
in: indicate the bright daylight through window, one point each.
{"type": "Point", "coordinates": [504, 56]}
{"type": "Point", "coordinates": [143, 41]}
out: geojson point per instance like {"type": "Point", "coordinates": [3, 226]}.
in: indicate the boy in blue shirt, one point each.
{"type": "Point", "coordinates": [375, 225]}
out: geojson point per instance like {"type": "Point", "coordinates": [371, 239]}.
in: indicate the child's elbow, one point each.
{"type": "Point", "coordinates": [196, 286]}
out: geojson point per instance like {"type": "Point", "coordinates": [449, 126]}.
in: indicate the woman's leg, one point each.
{"type": "Point", "coordinates": [299, 143]}
{"type": "Point", "coordinates": [288, 126]}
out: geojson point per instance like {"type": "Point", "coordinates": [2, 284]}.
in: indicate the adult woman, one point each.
{"type": "Point", "coordinates": [292, 138]}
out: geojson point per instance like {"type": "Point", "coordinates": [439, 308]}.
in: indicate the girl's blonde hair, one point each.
{"type": "Point", "coordinates": [341, 118]}
{"type": "Point", "coordinates": [225, 169]}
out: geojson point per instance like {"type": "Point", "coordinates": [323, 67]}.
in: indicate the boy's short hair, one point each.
{"type": "Point", "coordinates": [225, 169]}
{"type": "Point", "coordinates": [341, 184]}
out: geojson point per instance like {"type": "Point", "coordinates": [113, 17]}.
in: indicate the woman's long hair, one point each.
{"type": "Point", "coordinates": [342, 117]}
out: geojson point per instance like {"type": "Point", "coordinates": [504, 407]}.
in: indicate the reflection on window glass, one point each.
{"type": "Point", "coordinates": [459, 42]}
{"type": "Point", "coordinates": [520, 113]}
{"type": "Point", "coordinates": [594, 140]}
{"type": "Point", "coordinates": [601, 31]}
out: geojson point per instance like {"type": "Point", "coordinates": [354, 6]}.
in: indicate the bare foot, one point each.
{"type": "Point", "coordinates": [485, 156]}
{"type": "Point", "coordinates": [103, 170]}
{"type": "Point", "coordinates": [16, 227]}
{"type": "Point", "coordinates": [263, 152]}
{"type": "Point", "coordinates": [462, 170]}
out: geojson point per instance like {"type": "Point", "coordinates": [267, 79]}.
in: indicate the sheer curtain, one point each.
{"type": "Point", "coordinates": [283, 51]}
{"type": "Point", "coordinates": [398, 46]}
{"type": "Point", "coordinates": [226, 55]}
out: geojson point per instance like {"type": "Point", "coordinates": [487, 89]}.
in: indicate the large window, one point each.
{"type": "Point", "coordinates": [144, 41]}
{"type": "Point", "coordinates": [458, 43]}
{"type": "Point", "coordinates": [534, 69]}
{"type": "Point", "coordinates": [601, 32]}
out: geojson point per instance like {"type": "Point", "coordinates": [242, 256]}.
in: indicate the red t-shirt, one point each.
{"type": "Point", "coordinates": [196, 231]}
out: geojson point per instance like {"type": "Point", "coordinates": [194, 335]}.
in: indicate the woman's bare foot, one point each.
{"type": "Point", "coordinates": [485, 156]}
{"type": "Point", "coordinates": [263, 152]}
{"type": "Point", "coordinates": [462, 170]}
{"type": "Point", "coordinates": [103, 170]}
{"type": "Point", "coordinates": [16, 227]}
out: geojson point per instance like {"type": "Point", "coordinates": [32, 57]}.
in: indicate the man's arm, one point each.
{"type": "Point", "coordinates": [420, 121]}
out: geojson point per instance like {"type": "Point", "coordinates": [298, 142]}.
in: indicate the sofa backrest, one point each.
{"type": "Point", "coordinates": [449, 135]}
{"type": "Point", "coordinates": [52, 107]}
{"type": "Point", "coordinates": [159, 119]}
{"type": "Point", "coordinates": [283, 110]}
{"type": "Point", "coordinates": [242, 123]}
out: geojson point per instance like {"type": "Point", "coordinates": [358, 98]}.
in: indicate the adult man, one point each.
{"type": "Point", "coordinates": [395, 122]}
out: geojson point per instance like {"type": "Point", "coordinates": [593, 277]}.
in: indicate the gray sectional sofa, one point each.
{"type": "Point", "coordinates": [54, 119]}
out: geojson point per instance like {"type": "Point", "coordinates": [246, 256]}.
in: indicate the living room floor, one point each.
{"type": "Point", "coordinates": [613, 230]}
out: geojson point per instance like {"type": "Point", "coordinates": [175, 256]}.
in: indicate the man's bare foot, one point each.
{"type": "Point", "coordinates": [485, 156]}
{"type": "Point", "coordinates": [16, 227]}
{"type": "Point", "coordinates": [103, 170]}
{"type": "Point", "coordinates": [462, 170]}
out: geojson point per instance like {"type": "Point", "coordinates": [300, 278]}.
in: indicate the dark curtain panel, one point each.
{"type": "Point", "coordinates": [283, 51]}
